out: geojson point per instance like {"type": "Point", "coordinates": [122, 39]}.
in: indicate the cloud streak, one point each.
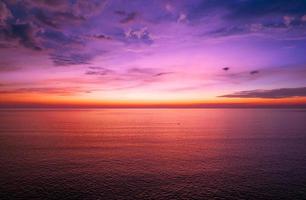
{"type": "Point", "coordinates": [46, 90]}
{"type": "Point", "coordinates": [269, 94]}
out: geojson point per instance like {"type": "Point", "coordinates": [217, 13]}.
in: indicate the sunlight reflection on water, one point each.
{"type": "Point", "coordinates": [153, 154]}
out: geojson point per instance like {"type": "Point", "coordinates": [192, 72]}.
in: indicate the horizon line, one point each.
{"type": "Point", "coordinates": [155, 106]}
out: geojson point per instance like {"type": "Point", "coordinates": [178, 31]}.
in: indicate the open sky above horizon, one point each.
{"type": "Point", "coordinates": [120, 52]}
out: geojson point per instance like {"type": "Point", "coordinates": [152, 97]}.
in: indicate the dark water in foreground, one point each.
{"type": "Point", "coordinates": [153, 154]}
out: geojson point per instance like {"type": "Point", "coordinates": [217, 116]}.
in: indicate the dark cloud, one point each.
{"type": "Point", "coordinates": [55, 4]}
{"type": "Point", "coordinates": [24, 32]}
{"type": "Point", "coordinates": [45, 19]}
{"type": "Point", "coordinates": [269, 94]}
{"type": "Point", "coordinates": [59, 38]}
{"type": "Point", "coordinates": [127, 17]}
{"type": "Point", "coordinates": [120, 12]}
{"type": "Point", "coordinates": [296, 72]}
{"type": "Point", "coordinates": [60, 25]}
{"type": "Point", "coordinates": [245, 9]}
{"type": "Point", "coordinates": [70, 59]}
{"type": "Point", "coordinates": [284, 18]}
{"type": "Point", "coordinates": [66, 49]}
{"type": "Point", "coordinates": [102, 37]}
{"type": "Point", "coordinates": [46, 25]}
{"type": "Point", "coordinates": [254, 72]}
{"type": "Point", "coordinates": [78, 8]}
{"type": "Point", "coordinates": [132, 35]}
{"type": "Point", "coordinates": [87, 9]}
{"type": "Point", "coordinates": [5, 14]}
{"type": "Point", "coordinates": [225, 68]}
{"type": "Point", "coordinates": [68, 18]}
{"type": "Point", "coordinates": [141, 35]}
{"type": "Point", "coordinates": [259, 8]}
{"type": "Point", "coordinates": [57, 20]}
{"type": "Point", "coordinates": [162, 74]}
{"type": "Point", "coordinates": [227, 31]}
{"type": "Point", "coordinates": [238, 77]}
{"type": "Point", "coordinates": [15, 27]}
{"type": "Point", "coordinates": [32, 26]}
{"type": "Point", "coordinates": [197, 9]}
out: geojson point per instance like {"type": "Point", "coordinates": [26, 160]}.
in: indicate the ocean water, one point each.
{"type": "Point", "coordinates": [157, 154]}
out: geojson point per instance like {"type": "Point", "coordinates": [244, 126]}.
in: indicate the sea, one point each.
{"type": "Point", "coordinates": [106, 154]}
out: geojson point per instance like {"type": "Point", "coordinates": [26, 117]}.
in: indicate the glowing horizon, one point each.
{"type": "Point", "coordinates": [197, 52]}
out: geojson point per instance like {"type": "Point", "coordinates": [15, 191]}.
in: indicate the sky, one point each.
{"type": "Point", "coordinates": [161, 52]}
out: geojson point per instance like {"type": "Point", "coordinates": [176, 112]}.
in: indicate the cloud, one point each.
{"type": "Point", "coordinates": [258, 8]}
{"type": "Point", "coordinates": [53, 26]}
{"type": "Point", "coordinates": [68, 31]}
{"type": "Point", "coordinates": [133, 72]}
{"type": "Point", "coordinates": [254, 72]}
{"type": "Point", "coordinates": [101, 37]}
{"type": "Point", "coordinates": [5, 14]}
{"type": "Point", "coordinates": [79, 8]}
{"type": "Point", "coordinates": [163, 73]}
{"type": "Point", "coordinates": [127, 17]}
{"type": "Point", "coordinates": [282, 19]}
{"type": "Point", "coordinates": [240, 77]}
{"type": "Point", "coordinates": [288, 20]}
{"type": "Point", "coordinates": [295, 72]}
{"type": "Point", "coordinates": [56, 39]}
{"type": "Point", "coordinates": [66, 49]}
{"type": "Point", "coordinates": [87, 9]}
{"type": "Point", "coordinates": [137, 70]}
{"type": "Point", "coordinates": [70, 59]}
{"type": "Point", "coordinates": [225, 68]}
{"type": "Point", "coordinates": [283, 30]}
{"type": "Point", "coordinates": [43, 18]}
{"type": "Point", "coordinates": [141, 35]}
{"type": "Point", "coordinates": [133, 77]}
{"type": "Point", "coordinates": [57, 20]}
{"type": "Point", "coordinates": [146, 72]}
{"type": "Point", "coordinates": [24, 33]}
{"type": "Point", "coordinates": [269, 94]}
{"type": "Point", "coordinates": [99, 71]}
{"type": "Point", "coordinates": [182, 18]}
{"type": "Point", "coordinates": [51, 4]}
{"type": "Point", "coordinates": [46, 90]}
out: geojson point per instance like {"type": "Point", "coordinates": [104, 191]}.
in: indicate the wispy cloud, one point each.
{"type": "Point", "coordinates": [269, 94]}
{"type": "Point", "coordinates": [238, 77]}
{"type": "Point", "coordinates": [101, 71]}
{"type": "Point", "coordinates": [62, 91]}
{"type": "Point", "coordinates": [130, 74]}
{"type": "Point", "coordinates": [70, 59]}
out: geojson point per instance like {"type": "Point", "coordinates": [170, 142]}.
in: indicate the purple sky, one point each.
{"type": "Point", "coordinates": [152, 51]}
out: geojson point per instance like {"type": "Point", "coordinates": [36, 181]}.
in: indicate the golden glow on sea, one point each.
{"type": "Point", "coordinates": [83, 101]}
